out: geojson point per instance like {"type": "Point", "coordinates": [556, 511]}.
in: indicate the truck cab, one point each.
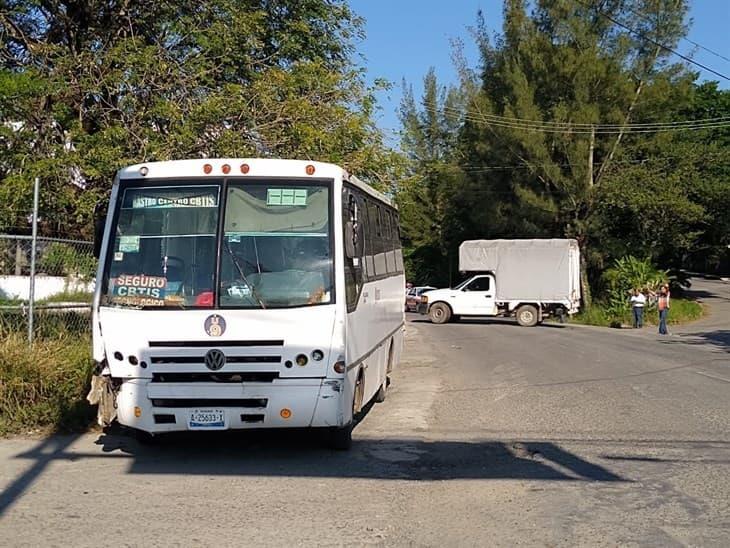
{"type": "Point", "coordinates": [475, 296]}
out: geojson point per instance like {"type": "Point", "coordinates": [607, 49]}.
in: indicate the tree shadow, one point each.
{"type": "Point", "coordinates": [486, 320]}
{"type": "Point", "coordinates": [719, 339]}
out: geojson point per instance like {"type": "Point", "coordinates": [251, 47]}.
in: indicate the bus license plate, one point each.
{"type": "Point", "coordinates": [207, 419]}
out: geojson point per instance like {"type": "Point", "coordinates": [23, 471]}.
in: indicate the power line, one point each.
{"type": "Point", "coordinates": [566, 127]}
{"type": "Point", "coordinates": [646, 17]}
{"type": "Point", "coordinates": [585, 125]}
{"type": "Point", "coordinates": [645, 37]}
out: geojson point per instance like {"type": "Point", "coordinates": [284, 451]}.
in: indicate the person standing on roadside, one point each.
{"type": "Point", "coordinates": [638, 302]}
{"type": "Point", "coordinates": [663, 307]}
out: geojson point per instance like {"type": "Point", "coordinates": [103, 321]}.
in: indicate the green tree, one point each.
{"type": "Point", "coordinates": [567, 63]}
{"type": "Point", "coordinates": [426, 196]}
{"type": "Point", "coordinates": [87, 87]}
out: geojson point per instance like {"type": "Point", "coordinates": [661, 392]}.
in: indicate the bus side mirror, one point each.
{"type": "Point", "coordinates": [99, 218]}
{"type": "Point", "coordinates": [353, 240]}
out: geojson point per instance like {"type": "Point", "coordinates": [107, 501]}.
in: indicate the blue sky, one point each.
{"type": "Point", "coordinates": [406, 37]}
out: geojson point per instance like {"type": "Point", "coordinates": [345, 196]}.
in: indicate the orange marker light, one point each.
{"type": "Point", "coordinates": [137, 412]}
{"type": "Point", "coordinates": [226, 169]}
{"type": "Point", "coordinates": [309, 169]}
{"type": "Point", "coordinates": [207, 168]}
{"type": "Point", "coordinates": [245, 168]}
{"type": "Point", "coordinates": [285, 413]}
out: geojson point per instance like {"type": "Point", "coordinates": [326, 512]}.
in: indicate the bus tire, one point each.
{"type": "Point", "coordinates": [145, 438]}
{"type": "Point", "coordinates": [439, 313]}
{"type": "Point", "coordinates": [527, 315]}
{"type": "Point", "coordinates": [359, 394]}
{"type": "Point", "coordinates": [382, 392]}
{"type": "Point", "coordinates": [340, 438]}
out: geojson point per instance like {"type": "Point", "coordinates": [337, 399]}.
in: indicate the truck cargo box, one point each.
{"type": "Point", "coordinates": [526, 270]}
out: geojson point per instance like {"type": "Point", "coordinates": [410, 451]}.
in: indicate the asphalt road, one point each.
{"type": "Point", "coordinates": [492, 435]}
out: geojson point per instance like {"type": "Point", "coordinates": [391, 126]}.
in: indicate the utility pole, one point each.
{"type": "Point", "coordinates": [590, 156]}
{"type": "Point", "coordinates": [31, 297]}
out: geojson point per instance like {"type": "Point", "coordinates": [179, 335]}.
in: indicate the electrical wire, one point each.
{"type": "Point", "coordinates": [585, 125]}
{"type": "Point", "coordinates": [644, 37]}
{"type": "Point", "coordinates": [647, 18]}
{"type": "Point", "coordinates": [598, 129]}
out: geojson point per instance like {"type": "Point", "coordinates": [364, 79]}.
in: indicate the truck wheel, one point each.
{"type": "Point", "coordinates": [527, 315]}
{"type": "Point", "coordinates": [439, 313]}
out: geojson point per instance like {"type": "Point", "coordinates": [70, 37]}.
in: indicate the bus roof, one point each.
{"type": "Point", "coordinates": [257, 167]}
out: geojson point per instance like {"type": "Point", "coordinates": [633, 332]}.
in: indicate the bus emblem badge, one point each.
{"type": "Point", "coordinates": [215, 359]}
{"type": "Point", "coordinates": [215, 325]}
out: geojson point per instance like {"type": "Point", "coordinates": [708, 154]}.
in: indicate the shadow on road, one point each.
{"type": "Point", "coordinates": [490, 321]}
{"type": "Point", "coordinates": [299, 453]}
{"type": "Point", "coordinates": [46, 452]}
{"type": "Point", "coordinates": [719, 338]}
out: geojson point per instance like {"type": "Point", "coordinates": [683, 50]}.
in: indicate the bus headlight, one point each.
{"type": "Point", "coordinates": [317, 355]}
{"type": "Point", "coordinates": [339, 367]}
{"type": "Point", "coordinates": [302, 360]}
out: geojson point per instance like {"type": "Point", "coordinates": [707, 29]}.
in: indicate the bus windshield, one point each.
{"type": "Point", "coordinates": [275, 248]}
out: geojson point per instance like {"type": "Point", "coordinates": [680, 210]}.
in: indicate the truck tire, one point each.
{"type": "Point", "coordinates": [439, 313]}
{"type": "Point", "coordinates": [527, 315]}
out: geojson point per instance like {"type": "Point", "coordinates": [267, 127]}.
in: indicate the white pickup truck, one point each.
{"type": "Point", "coordinates": [528, 279]}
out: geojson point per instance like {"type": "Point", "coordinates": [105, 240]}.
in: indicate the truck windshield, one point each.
{"type": "Point", "coordinates": [164, 247]}
{"type": "Point", "coordinates": [275, 248]}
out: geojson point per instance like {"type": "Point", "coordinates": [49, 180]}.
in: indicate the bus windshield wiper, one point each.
{"type": "Point", "coordinates": [243, 276]}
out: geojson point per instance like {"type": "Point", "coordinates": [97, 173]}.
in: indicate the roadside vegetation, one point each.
{"type": "Point", "coordinates": [43, 388]}
{"type": "Point", "coordinates": [681, 311]}
{"type": "Point", "coordinates": [544, 139]}
{"type": "Point", "coordinates": [628, 273]}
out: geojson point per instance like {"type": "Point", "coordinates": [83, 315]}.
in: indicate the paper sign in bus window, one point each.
{"type": "Point", "coordinates": [139, 290]}
{"type": "Point", "coordinates": [171, 200]}
{"type": "Point", "coordinates": [286, 197]}
{"type": "Point", "coordinates": [129, 244]}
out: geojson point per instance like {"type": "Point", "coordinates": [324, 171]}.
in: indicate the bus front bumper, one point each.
{"type": "Point", "coordinates": [290, 403]}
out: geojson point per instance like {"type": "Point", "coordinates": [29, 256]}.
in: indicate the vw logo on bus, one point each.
{"type": "Point", "coordinates": [215, 359]}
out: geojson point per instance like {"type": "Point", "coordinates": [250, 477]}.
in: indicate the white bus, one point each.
{"type": "Point", "coordinates": [245, 293]}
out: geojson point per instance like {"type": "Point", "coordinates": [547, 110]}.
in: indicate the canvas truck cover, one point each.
{"type": "Point", "coordinates": [535, 270]}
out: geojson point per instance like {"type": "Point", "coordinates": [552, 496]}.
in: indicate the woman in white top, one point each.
{"type": "Point", "coordinates": [638, 302]}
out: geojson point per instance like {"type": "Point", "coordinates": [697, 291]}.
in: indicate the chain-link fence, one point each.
{"type": "Point", "coordinates": [56, 298]}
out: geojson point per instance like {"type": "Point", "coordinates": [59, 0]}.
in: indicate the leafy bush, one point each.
{"type": "Point", "coordinates": [44, 386]}
{"type": "Point", "coordinates": [600, 314]}
{"type": "Point", "coordinates": [627, 274]}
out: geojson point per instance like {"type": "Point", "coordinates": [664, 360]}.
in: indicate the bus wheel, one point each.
{"type": "Point", "coordinates": [439, 313]}
{"type": "Point", "coordinates": [145, 438]}
{"type": "Point", "coordinates": [340, 439]}
{"type": "Point", "coordinates": [358, 396]}
{"type": "Point", "coordinates": [382, 392]}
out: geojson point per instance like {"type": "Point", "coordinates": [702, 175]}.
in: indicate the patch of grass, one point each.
{"type": "Point", "coordinates": [681, 311]}
{"type": "Point", "coordinates": [44, 386]}
{"type": "Point", "coordinates": [47, 324]}
{"type": "Point", "coordinates": [70, 297]}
